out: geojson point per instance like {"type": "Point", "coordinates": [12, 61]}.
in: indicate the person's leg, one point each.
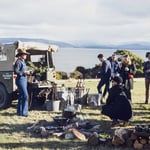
{"type": "Point", "coordinates": [106, 89]}
{"type": "Point", "coordinates": [19, 105]}
{"type": "Point", "coordinates": [99, 86]}
{"type": "Point", "coordinates": [127, 88]}
{"type": "Point", "coordinates": [129, 95]}
{"type": "Point", "coordinates": [24, 98]}
{"type": "Point", "coordinates": [147, 82]}
{"type": "Point", "coordinates": [99, 89]}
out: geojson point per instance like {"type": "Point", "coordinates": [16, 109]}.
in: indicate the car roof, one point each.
{"type": "Point", "coordinates": [37, 46]}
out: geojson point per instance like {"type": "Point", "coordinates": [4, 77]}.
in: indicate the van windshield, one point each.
{"type": "Point", "coordinates": [37, 58]}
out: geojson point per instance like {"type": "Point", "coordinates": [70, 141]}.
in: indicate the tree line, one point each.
{"type": "Point", "coordinates": [81, 72]}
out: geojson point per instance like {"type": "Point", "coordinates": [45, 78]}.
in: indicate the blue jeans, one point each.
{"type": "Point", "coordinates": [22, 108]}
{"type": "Point", "coordinates": [101, 84]}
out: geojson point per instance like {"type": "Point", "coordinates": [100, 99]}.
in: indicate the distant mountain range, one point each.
{"type": "Point", "coordinates": [133, 46]}
{"type": "Point", "coordinates": [45, 41]}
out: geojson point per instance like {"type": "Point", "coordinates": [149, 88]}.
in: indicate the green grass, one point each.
{"type": "Point", "coordinates": [14, 133]}
{"type": "Point", "coordinates": [138, 93]}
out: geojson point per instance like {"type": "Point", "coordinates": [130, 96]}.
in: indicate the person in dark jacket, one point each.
{"type": "Point", "coordinates": [127, 71]}
{"type": "Point", "coordinates": [146, 70]}
{"type": "Point", "coordinates": [105, 75]}
{"type": "Point", "coordinates": [21, 82]}
{"type": "Point", "coordinates": [114, 65]}
{"type": "Point", "coordinates": [117, 105]}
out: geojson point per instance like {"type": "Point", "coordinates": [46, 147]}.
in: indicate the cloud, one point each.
{"type": "Point", "coordinates": [135, 8]}
{"type": "Point", "coordinates": [99, 21]}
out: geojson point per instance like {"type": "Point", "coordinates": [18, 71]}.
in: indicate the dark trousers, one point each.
{"type": "Point", "coordinates": [147, 83]}
{"type": "Point", "coordinates": [101, 84]}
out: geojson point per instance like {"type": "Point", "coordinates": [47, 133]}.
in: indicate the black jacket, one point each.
{"type": "Point", "coordinates": [117, 104]}
{"type": "Point", "coordinates": [127, 76]}
{"type": "Point", "coordinates": [105, 72]}
{"type": "Point", "coordinates": [145, 68]}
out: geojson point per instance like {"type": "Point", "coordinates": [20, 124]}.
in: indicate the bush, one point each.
{"type": "Point", "coordinates": [81, 72]}
{"type": "Point", "coordinates": [76, 75]}
{"type": "Point", "coordinates": [61, 75]}
{"type": "Point", "coordinates": [139, 73]}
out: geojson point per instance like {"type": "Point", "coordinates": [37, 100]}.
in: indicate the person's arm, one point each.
{"type": "Point", "coordinates": [104, 68]}
{"type": "Point", "coordinates": [116, 68]}
{"type": "Point", "coordinates": [144, 68]}
{"type": "Point", "coordinates": [119, 68]}
{"type": "Point", "coordinates": [17, 68]}
{"type": "Point", "coordinates": [147, 68]}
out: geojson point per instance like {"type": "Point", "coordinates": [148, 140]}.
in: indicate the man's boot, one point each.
{"type": "Point", "coordinates": [99, 99]}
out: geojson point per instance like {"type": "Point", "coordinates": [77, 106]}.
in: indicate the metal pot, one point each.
{"type": "Point", "coordinates": [69, 114]}
{"type": "Point", "coordinates": [61, 121]}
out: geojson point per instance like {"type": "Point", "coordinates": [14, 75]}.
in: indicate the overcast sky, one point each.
{"type": "Point", "coordinates": [96, 21]}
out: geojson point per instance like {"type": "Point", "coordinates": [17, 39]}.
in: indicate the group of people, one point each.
{"type": "Point", "coordinates": [111, 68]}
{"type": "Point", "coordinates": [118, 103]}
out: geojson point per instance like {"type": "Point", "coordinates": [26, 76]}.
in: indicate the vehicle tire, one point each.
{"type": "Point", "coordinates": [4, 101]}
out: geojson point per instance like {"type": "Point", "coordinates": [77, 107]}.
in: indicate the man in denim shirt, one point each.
{"type": "Point", "coordinates": [21, 82]}
{"type": "Point", "coordinates": [114, 66]}
{"type": "Point", "coordinates": [146, 71]}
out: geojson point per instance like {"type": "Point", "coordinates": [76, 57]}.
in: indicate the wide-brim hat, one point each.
{"type": "Point", "coordinates": [117, 79]}
{"type": "Point", "coordinates": [21, 51]}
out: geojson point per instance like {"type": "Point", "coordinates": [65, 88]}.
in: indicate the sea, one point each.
{"type": "Point", "coordinates": [67, 59]}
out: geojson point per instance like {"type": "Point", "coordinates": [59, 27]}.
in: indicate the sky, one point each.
{"type": "Point", "coordinates": [85, 21]}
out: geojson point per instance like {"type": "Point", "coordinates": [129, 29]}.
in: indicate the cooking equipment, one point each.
{"type": "Point", "coordinates": [69, 112]}
{"type": "Point", "coordinates": [61, 121]}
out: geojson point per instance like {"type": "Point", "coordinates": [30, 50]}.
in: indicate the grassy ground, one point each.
{"type": "Point", "coordinates": [14, 134]}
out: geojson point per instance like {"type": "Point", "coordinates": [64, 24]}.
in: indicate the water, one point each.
{"type": "Point", "coordinates": [67, 59]}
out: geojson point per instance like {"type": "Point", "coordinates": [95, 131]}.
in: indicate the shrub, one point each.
{"type": "Point", "coordinates": [76, 75]}
{"type": "Point", "coordinates": [61, 75]}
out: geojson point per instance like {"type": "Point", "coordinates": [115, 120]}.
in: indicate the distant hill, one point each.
{"type": "Point", "coordinates": [45, 41]}
{"type": "Point", "coordinates": [132, 46]}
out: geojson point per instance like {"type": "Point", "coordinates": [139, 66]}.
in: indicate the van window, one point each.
{"type": "Point", "coordinates": [37, 58]}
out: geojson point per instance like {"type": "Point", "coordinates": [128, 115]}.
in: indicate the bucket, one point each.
{"type": "Point", "coordinates": [48, 105]}
{"type": "Point", "coordinates": [53, 105]}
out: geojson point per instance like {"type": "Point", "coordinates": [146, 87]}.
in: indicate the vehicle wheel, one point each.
{"type": "Point", "coordinates": [4, 101]}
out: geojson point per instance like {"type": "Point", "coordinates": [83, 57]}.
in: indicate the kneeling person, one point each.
{"type": "Point", "coordinates": [117, 105]}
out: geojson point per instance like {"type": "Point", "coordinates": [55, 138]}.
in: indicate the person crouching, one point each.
{"type": "Point", "coordinates": [117, 105]}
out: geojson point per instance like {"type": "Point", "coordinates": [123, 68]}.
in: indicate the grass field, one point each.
{"type": "Point", "coordinates": [14, 134]}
